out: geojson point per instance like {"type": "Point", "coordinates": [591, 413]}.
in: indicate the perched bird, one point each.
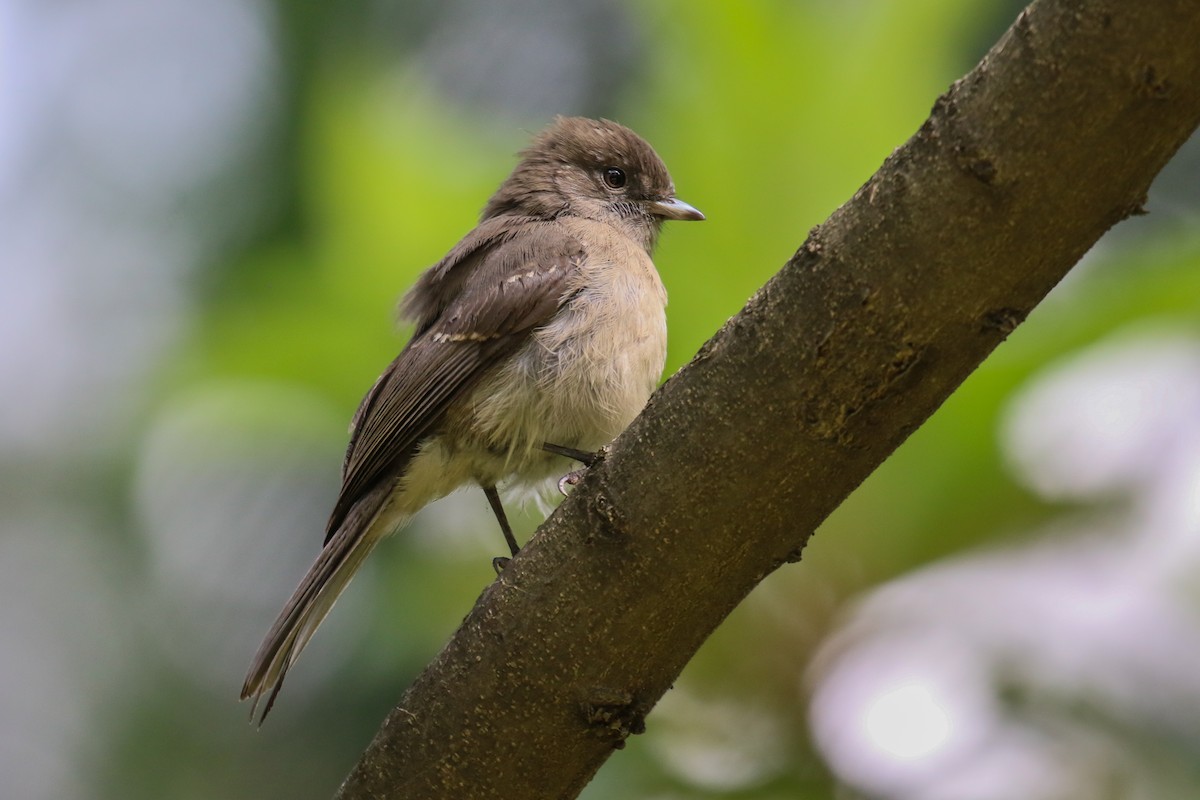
{"type": "Point", "coordinates": [540, 335]}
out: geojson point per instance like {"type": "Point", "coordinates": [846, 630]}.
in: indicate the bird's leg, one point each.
{"type": "Point", "coordinates": [582, 456]}
{"type": "Point", "coordinates": [493, 497]}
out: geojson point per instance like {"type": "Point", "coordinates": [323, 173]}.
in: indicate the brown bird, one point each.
{"type": "Point", "coordinates": [540, 335]}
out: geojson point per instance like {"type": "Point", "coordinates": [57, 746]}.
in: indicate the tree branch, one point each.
{"type": "Point", "coordinates": [1023, 164]}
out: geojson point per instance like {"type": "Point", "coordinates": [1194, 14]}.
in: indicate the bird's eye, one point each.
{"type": "Point", "coordinates": [614, 178]}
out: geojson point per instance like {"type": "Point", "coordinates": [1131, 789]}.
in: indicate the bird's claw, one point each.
{"type": "Point", "coordinates": [572, 478]}
{"type": "Point", "coordinates": [499, 563]}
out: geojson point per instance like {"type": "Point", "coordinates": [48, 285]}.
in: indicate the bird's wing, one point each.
{"type": "Point", "coordinates": [472, 309]}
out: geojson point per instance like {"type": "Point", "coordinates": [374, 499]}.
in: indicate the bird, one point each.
{"type": "Point", "coordinates": [537, 339]}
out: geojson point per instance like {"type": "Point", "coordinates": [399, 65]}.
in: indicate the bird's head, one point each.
{"type": "Point", "coordinates": [594, 169]}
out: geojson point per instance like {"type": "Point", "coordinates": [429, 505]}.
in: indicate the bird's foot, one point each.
{"type": "Point", "coordinates": [572, 478]}
{"type": "Point", "coordinates": [588, 460]}
{"type": "Point", "coordinates": [499, 563]}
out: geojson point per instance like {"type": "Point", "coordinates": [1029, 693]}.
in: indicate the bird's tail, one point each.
{"type": "Point", "coordinates": [314, 597]}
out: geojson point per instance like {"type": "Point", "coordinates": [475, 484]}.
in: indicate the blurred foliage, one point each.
{"type": "Point", "coordinates": [769, 114]}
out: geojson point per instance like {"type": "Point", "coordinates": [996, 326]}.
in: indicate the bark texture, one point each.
{"type": "Point", "coordinates": [1023, 164]}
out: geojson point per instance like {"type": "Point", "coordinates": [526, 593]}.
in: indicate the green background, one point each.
{"type": "Point", "coordinates": [226, 202]}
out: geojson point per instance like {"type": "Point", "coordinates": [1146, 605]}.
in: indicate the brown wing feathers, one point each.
{"type": "Point", "coordinates": [486, 301]}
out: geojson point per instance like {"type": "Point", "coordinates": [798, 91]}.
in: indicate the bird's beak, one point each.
{"type": "Point", "coordinates": [674, 208]}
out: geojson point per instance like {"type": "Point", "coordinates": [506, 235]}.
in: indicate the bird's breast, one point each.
{"type": "Point", "coordinates": [603, 353]}
{"type": "Point", "coordinates": [580, 379]}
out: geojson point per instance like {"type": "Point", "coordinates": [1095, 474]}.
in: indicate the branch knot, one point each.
{"type": "Point", "coordinates": [614, 714]}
